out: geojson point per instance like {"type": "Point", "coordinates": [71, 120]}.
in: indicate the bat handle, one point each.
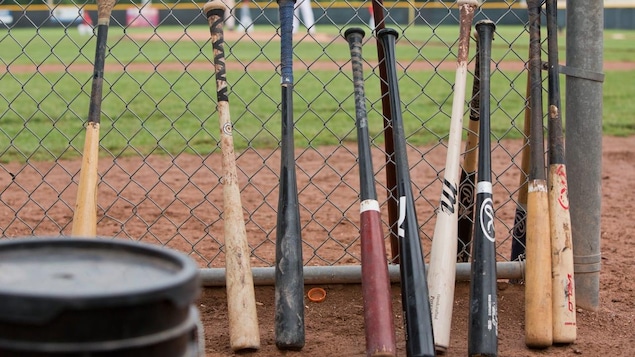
{"type": "Point", "coordinates": [286, 40]}
{"type": "Point", "coordinates": [215, 12]}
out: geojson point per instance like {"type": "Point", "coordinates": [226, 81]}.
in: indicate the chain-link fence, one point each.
{"type": "Point", "coordinates": [160, 171]}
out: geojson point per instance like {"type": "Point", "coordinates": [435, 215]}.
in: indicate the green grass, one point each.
{"type": "Point", "coordinates": [30, 46]}
{"type": "Point", "coordinates": [42, 114]}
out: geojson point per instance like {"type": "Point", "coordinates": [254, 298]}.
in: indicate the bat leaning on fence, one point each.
{"type": "Point", "coordinates": [483, 314]}
{"type": "Point", "coordinates": [442, 270]}
{"type": "Point", "coordinates": [414, 288]}
{"type": "Point", "coordinates": [564, 315]}
{"type": "Point", "coordinates": [538, 292]}
{"type": "Point", "coordinates": [289, 277]}
{"type": "Point", "coordinates": [389, 147]}
{"type": "Point", "coordinates": [467, 182]}
{"type": "Point", "coordinates": [378, 315]}
{"type": "Point", "coordinates": [519, 229]}
{"type": "Point", "coordinates": [241, 301]}
{"type": "Point", "coordinates": [85, 215]}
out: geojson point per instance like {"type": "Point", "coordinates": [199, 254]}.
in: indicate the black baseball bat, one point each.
{"type": "Point", "coordinates": [289, 277]}
{"type": "Point", "coordinates": [483, 317]}
{"type": "Point", "coordinates": [467, 183]}
{"type": "Point", "coordinates": [378, 316]}
{"type": "Point", "coordinates": [414, 287]}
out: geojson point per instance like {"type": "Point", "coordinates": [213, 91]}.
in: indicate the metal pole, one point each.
{"type": "Point", "coordinates": [351, 274]}
{"type": "Point", "coordinates": [585, 25]}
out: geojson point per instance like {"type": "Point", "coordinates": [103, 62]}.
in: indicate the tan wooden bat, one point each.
{"type": "Point", "coordinates": [538, 293]}
{"type": "Point", "coordinates": [564, 315]}
{"type": "Point", "coordinates": [244, 333]}
{"type": "Point", "coordinates": [85, 215]}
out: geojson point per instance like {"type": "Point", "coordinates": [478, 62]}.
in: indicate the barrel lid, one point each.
{"type": "Point", "coordinates": [40, 276]}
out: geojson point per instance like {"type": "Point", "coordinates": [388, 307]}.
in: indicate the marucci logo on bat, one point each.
{"type": "Point", "coordinates": [449, 195]}
{"type": "Point", "coordinates": [402, 217]}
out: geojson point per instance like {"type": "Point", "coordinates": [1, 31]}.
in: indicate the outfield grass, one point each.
{"type": "Point", "coordinates": [53, 45]}
{"type": "Point", "coordinates": [42, 114]}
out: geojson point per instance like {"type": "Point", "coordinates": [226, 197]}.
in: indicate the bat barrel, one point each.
{"type": "Point", "coordinates": [483, 316]}
{"type": "Point", "coordinates": [414, 287]}
{"type": "Point", "coordinates": [289, 285]}
{"type": "Point", "coordinates": [378, 316]}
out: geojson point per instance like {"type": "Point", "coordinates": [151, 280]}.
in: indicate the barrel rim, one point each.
{"type": "Point", "coordinates": [181, 288]}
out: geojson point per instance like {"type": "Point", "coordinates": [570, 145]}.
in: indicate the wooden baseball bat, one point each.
{"type": "Point", "coordinates": [389, 146]}
{"type": "Point", "coordinates": [483, 315]}
{"type": "Point", "coordinates": [85, 216]}
{"type": "Point", "coordinates": [289, 277]}
{"type": "Point", "coordinates": [538, 291]}
{"type": "Point", "coordinates": [442, 270]}
{"type": "Point", "coordinates": [467, 182]}
{"type": "Point", "coordinates": [378, 316]}
{"type": "Point", "coordinates": [564, 315]}
{"type": "Point", "coordinates": [414, 287]}
{"type": "Point", "coordinates": [241, 299]}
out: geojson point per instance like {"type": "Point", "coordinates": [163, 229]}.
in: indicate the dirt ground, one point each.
{"type": "Point", "coordinates": [335, 326]}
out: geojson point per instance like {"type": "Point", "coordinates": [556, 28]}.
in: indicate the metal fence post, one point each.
{"type": "Point", "coordinates": [585, 25]}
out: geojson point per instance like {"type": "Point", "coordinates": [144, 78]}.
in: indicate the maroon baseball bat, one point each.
{"type": "Point", "coordinates": [378, 317]}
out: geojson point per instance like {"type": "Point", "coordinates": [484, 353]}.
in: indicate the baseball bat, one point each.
{"type": "Point", "coordinates": [442, 269]}
{"type": "Point", "coordinates": [414, 287]}
{"type": "Point", "coordinates": [241, 299]}
{"type": "Point", "coordinates": [289, 277]}
{"type": "Point", "coordinates": [538, 304]}
{"type": "Point", "coordinates": [564, 315]}
{"type": "Point", "coordinates": [85, 216]}
{"type": "Point", "coordinates": [378, 317]}
{"type": "Point", "coordinates": [467, 182]}
{"type": "Point", "coordinates": [389, 147]}
{"type": "Point", "coordinates": [483, 315]}
{"type": "Point", "coordinates": [519, 229]}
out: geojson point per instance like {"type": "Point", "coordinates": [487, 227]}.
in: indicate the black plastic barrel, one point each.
{"type": "Point", "coordinates": [96, 297]}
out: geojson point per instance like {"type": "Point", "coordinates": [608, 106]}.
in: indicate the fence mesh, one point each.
{"type": "Point", "coordinates": [160, 177]}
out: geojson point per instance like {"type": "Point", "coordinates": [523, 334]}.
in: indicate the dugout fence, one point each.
{"type": "Point", "coordinates": [160, 174]}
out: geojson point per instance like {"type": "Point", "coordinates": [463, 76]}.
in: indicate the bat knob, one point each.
{"type": "Point", "coordinates": [354, 31]}
{"type": "Point", "coordinates": [213, 5]}
{"type": "Point", "coordinates": [387, 32]}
